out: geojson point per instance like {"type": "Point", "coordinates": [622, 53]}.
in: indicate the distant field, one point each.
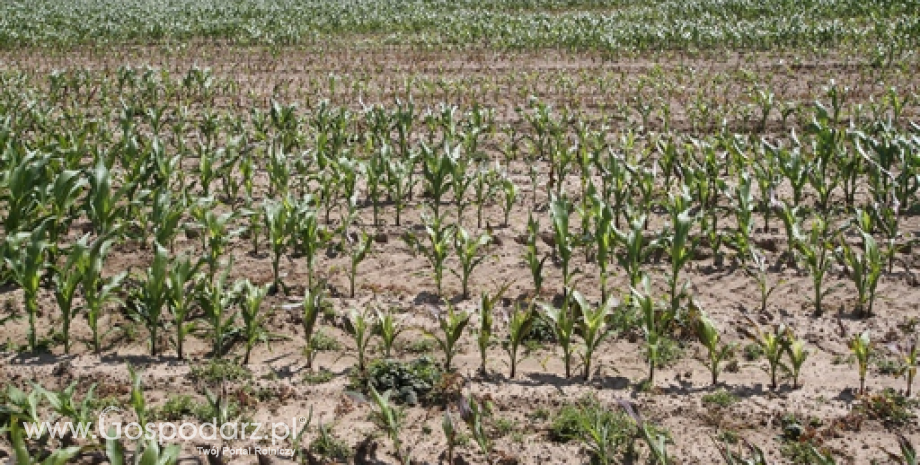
{"type": "Point", "coordinates": [609, 26]}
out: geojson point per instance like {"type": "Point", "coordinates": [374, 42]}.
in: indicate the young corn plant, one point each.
{"type": "Point", "coordinates": [709, 336]}
{"type": "Point", "coordinates": [254, 328]}
{"type": "Point", "coordinates": [460, 183]}
{"type": "Point", "coordinates": [376, 170]}
{"type": "Point", "coordinates": [276, 216]}
{"type": "Point", "coordinates": [468, 249]}
{"type": "Point", "coordinates": [744, 215]}
{"type": "Point", "coordinates": [106, 206]}
{"type": "Point", "coordinates": [309, 237]}
{"type": "Point", "coordinates": [98, 290]}
{"type": "Point", "coordinates": [181, 286]}
{"type": "Point", "coordinates": [389, 328]}
{"type": "Point", "coordinates": [774, 344]}
{"type": "Point", "coordinates": [165, 215]}
{"type": "Point", "coordinates": [400, 183]}
{"type": "Point", "coordinates": [815, 250]}
{"type": "Point", "coordinates": [862, 347]}
{"type": "Point", "coordinates": [22, 456]}
{"type": "Point", "coordinates": [438, 170]}
{"type": "Point", "coordinates": [474, 413]}
{"type": "Point", "coordinates": [486, 319]}
{"type": "Point", "coordinates": [484, 187]}
{"type": "Point", "coordinates": [66, 281]}
{"type": "Point", "coordinates": [633, 250]}
{"type": "Point", "coordinates": [390, 418]}
{"type": "Point", "coordinates": [440, 239]}
{"type": "Point", "coordinates": [312, 307]}
{"type": "Point", "coordinates": [594, 327]}
{"type": "Point", "coordinates": [560, 209]}
{"type": "Point", "coordinates": [361, 328]}
{"type": "Point", "coordinates": [760, 273]}
{"type": "Point", "coordinates": [653, 324]}
{"type": "Point", "coordinates": [215, 233]}
{"type": "Point", "coordinates": [531, 254]}
{"type": "Point", "coordinates": [564, 328]}
{"type": "Point", "coordinates": [798, 353]}
{"type": "Point", "coordinates": [865, 269]}
{"type": "Point", "coordinates": [149, 301]}
{"type": "Point", "coordinates": [216, 300]}
{"type": "Point", "coordinates": [519, 324]}
{"type": "Point", "coordinates": [509, 196]}
{"type": "Point", "coordinates": [603, 240]}
{"type": "Point", "coordinates": [909, 353]}
{"type": "Point", "coordinates": [450, 434]}
{"type": "Point", "coordinates": [452, 324]}
{"type": "Point", "coordinates": [654, 439]}
{"type": "Point", "coordinates": [680, 246]}
{"type": "Point", "coordinates": [359, 245]}
{"type": "Point", "coordinates": [26, 267]}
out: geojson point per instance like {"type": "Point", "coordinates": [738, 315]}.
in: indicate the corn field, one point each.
{"type": "Point", "coordinates": [568, 231]}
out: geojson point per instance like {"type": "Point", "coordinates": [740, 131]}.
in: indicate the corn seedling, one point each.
{"type": "Point", "coordinates": [359, 246]}
{"type": "Point", "coordinates": [180, 282]}
{"type": "Point", "coordinates": [468, 249]}
{"type": "Point", "coordinates": [564, 326]}
{"type": "Point", "coordinates": [438, 174]}
{"type": "Point", "coordinates": [815, 251]}
{"type": "Point", "coordinates": [26, 267]}
{"type": "Point", "coordinates": [390, 418]}
{"type": "Point", "coordinates": [63, 403]}
{"type": "Point", "coordinates": [484, 187]}
{"type": "Point", "coordinates": [309, 237]}
{"type": "Point", "coordinates": [460, 183]}
{"type": "Point", "coordinates": [562, 238]}
{"type": "Point", "coordinates": [861, 346]}
{"type": "Point", "coordinates": [451, 322]}
{"type": "Point", "coordinates": [633, 250]}
{"type": "Point", "coordinates": [440, 238]}
{"type": "Point", "coordinates": [474, 413]}
{"type": "Point", "coordinates": [400, 182]}
{"type": "Point", "coordinates": [774, 344]}
{"type": "Point", "coordinates": [97, 290]}
{"type": "Point", "coordinates": [654, 439]}
{"type": "Point", "coordinates": [276, 216]}
{"type": "Point", "coordinates": [531, 254]}
{"type": "Point", "coordinates": [22, 456]}
{"type": "Point", "coordinates": [798, 353]}
{"type": "Point", "coordinates": [150, 299]}
{"type": "Point", "coordinates": [486, 318]}
{"type": "Point", "coordinates": [510, 194]}
{"type": "Point", "coordinates": [106, 206]}
{"type": "Point", "coordinates": [680, 246]}
{"type": "Point", "coordinates": [760, 273]}
{"type": "Point", "coordinates": [709, 336]}
{"type": "Point", "coordinates": [361, 328]}
{"type": "Point", "coordinates": [744, 213]}
{"type": "Point", "coordinates": [311, 308]}
{"type": "Point", "coordinates": [519, 323]}
{"type": "Point", "coordinates": [909, 353]}
{"type": "Point", "coordinates": [653, 325]}
{"type": "Point", "coordinates": [450, 434]}
{"type": "Point", "coordinates": [216, 300]}
{"type": "Point", "coordinates": [593, 327]}
{"type": "Point", "coordinates": [865, 269]}
{"type": "Point", "coordinates": [66, 280]}
{"type": "Point", "coordinates": [253, 330]}
{"type": "Point", "coordinates": [388, 327]}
